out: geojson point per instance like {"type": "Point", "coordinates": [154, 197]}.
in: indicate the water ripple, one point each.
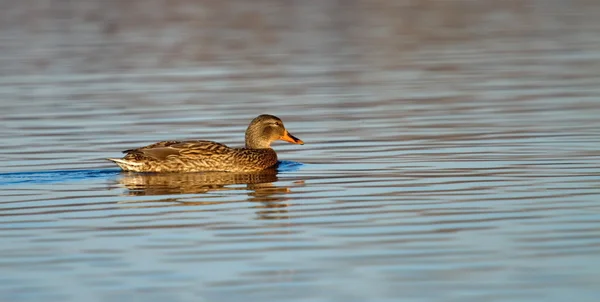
{"type": "Point", "coordinates": [451, 154]}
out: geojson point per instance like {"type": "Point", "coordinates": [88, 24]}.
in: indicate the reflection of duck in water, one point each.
{"type": "Point", "coordinates": [201, 156]}
{"type": "Point", "coordinates": [259, 188]}
{"type": "Point", "coordinates": [141, 184]}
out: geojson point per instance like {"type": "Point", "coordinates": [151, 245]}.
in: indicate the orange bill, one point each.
{"type": "Point", "coordinates": [290, 138]}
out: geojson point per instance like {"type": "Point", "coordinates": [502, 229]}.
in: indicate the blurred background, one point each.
{"type": "Point", "coordinates": [452, 150]}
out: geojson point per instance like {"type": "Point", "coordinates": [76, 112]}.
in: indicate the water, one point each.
{"type": "Point", "coordinates": [452, 151]}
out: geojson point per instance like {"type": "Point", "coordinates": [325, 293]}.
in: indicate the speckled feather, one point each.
{"type": "Point", "coordinates": [193, 156]}
{"type": "Point", "coordinates": [201, 155]}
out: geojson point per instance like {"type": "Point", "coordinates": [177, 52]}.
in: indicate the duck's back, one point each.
{"type": "Point", "coordinates": [195, 156]}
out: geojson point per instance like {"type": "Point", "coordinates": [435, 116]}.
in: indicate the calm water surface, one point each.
{"type": "Point", "coordinates": [452, 151]}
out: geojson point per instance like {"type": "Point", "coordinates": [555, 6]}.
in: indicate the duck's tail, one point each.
{"type": "Point", "coordinates": [126, 165]}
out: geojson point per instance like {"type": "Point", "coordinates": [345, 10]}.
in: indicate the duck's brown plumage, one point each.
{"type": "Point", "coordinates": [200, 155]}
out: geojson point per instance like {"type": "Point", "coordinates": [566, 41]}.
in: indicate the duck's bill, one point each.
{"type": "Point", "coordinates": [291, 139]}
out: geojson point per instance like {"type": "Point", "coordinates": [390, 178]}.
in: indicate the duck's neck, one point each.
{"type": "Point", "coordinates": [255, 143]}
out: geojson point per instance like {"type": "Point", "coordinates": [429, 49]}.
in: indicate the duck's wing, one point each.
{"type": "Point", "coordinates": [165, 149]}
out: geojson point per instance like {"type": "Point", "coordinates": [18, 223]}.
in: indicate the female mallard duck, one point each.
{"type": "Point", "coordinates": [201, 156]}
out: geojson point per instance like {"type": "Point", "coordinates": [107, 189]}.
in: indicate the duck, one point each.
{"type": "Point", "coordinates": [209, 156]}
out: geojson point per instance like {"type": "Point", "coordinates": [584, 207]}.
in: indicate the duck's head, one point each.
{"type": "Point", "coordinates": [265, 129]}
